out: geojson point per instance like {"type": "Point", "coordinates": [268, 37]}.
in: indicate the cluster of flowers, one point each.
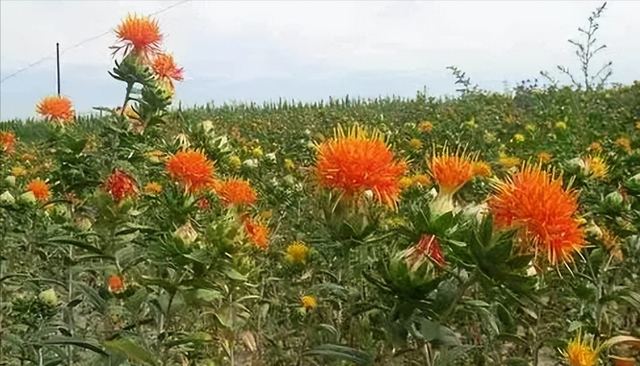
{"type": "Point", "coordinates": [532, 200]}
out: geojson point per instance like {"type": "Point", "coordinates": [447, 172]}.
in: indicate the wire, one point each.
{"type": "Point", "coordinates": [81, 43]}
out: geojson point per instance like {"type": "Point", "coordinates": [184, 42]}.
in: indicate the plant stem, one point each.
{"type": "Point", "coordinates": [165, 318]}
{"type": "Point", "coordinates": [69, 299]}
{"type": "Point", "coordinates": [463, 288]}
{"type": "Point", "coordinates": [126, 96]}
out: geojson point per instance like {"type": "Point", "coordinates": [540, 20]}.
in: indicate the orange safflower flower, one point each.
{"type": "Point", "coordinates": [165, 68]}
{"type": "Point", "coordinates": [139, 35]}
{"type": "Point", "coordinates": [481, 169]}
{"type": "Point", "coordinates": [425, 126]}
{"type": "Point", "coordinates": [308, 302]}
{"type": "Point", "coordinates": [624, 143]}
{"type": "Point", "coordinates": [7, 142]}
{"type": "Point", "coordinates": [56, 109]}
{"type": "Point", "coordinates": [120, 185]}
{"type": "Point", "coordinates": [203, 203]}
{"type": "Point", "coordinates": [40, 189]}
{"type": "Point", "coordinates": [153, 188]}
{"type": "Point", "coordinates": [115, 284]}
{"type": "Point", "coordinates": [192, 169]}
{"type": "Point", "coordinates": [595, 166]}
{"type": "Point", "coordinates": [579, 352]}
{"type": "Point", "coordinates": [257, 232]}
{"type": "Point", "coordinates": [451, 172]}
{"type": "Point", "coordinates": [355, 162]}
{"type": "Point", "coordinates": [535, 203]}
{"type": "Point", "coordinates": [28, 157]}
{"type": "Point", "coordinates": [595, 146]}
{"type": "Point", "coordinates": [428, 246]}
{"type": "Point", "coordinates": [236, 192]}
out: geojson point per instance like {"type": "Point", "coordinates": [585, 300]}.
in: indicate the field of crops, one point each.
{"type": "Point", "coordinates": [482, 229]}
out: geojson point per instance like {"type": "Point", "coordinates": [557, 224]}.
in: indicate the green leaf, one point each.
{"type": "Point", "coordinates": [75, 243]}
{"type": "Point", "coordinates": [92, 295]}
{"type": "Point", "coordinates": [434, 331]}
{"type": "Point", "coordinates": [208, 295]}
{"type": "Point", "coordinates": [234, 275]}
{"type": "Point", "coordinates": [82, 343]}
{"type": "Point", "coordinates": [337, 352]}
{"type": "Point", "coordinates": [133, 351]}
{"type": "Point", "coordinates": [574, 326]}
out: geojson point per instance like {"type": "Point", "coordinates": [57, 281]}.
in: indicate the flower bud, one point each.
{"type": "Point", "coordinates": [251, 163]}
{"type": "Point", "coordinates": [271, 157]}
{"type": "Point", "coordinates": [614, 201]}
{"type": "Point", "coordinates": [10, 180]}
{"type": "Point", "coordinates": [27, 197]}
{"type": "Point", "coordinates": [207, 126]}
{"type": "Point", "coordinates": [186, 233]}
{"type": "Point", "coordinates": [6, 198]}
{"type": "Point", "coordinates": [614, 198]}
{"type": "Point", "coordinates": [633, 183]}
{"type": "Point", "coordinates": [48, 297]}
{"type": "Point", "coordinates": [83, 223]}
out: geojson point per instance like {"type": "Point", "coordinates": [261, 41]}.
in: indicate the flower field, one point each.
{"type": "Point", "coordinates": [483, 229]}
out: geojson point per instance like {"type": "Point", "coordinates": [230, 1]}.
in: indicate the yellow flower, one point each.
{"type": "Point", "coordinates": [297, 252]}
{"type": "Point", "coordinates": [471, 123]}
{"type": "Point", "coordinates": [421, 179]}
{"type": "Point", "coordinates": [405, 182]}
{"type": "Point", "coordinates": [509, 161]}
{"type": "Point", "coordinates": [544, 157]}
{"type": "Point", "coordinates": [257, 152]}
{"type": "Point", "coordinates": [518, 137]}
{"type": "Point", "coordinates": [561, 125]}
{"type": "Point", "coordinates": [581, 353]}
{"type": "Point", "coordinates": [415, 143]}
{"type": "Point", "coordinates": [427, 126]}
{"type": "Point", "coordinates": [155, 156]}
{"type": "Point", "coordinates": [481, 169]}
{"type": "Point", "coordinates": [153, 188]}
{"type": "Point", "coordinates": [235, 162]}
{"type": "Point", "coordinates": [624, 143]}
{"type": "Point", "coordinates": [288, 163]}
{"type": "Point", "coordinates": [530, 127]}
{"type": "Point", "coordinates": [595, 166]}
{"type": "Point", "coordinates": [266, 215]}
{"type": "Point", "coordinates": [395, 222]}
{"type": "Point", "coordinates": [309, 302]}
{"type": "Point", "coordinates": [595, 146]}
{"type": "Point", "coordinates": [18, 171]}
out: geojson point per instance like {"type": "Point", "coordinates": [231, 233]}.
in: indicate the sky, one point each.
{"type": "Point", "coordinates": [306, 50]}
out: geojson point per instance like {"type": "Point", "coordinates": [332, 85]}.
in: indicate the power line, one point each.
{"type": "Point", "coordinates": [81, 43]}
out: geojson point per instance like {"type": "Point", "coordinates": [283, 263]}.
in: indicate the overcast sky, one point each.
{"type": "Point", "coordinates": [306, 50]}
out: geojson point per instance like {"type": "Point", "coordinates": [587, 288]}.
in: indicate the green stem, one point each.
{"type": "Point", "coordinates": [164, 318]}
{"type": "Point", "coordinates": [70, 323]}
{"type": "Point", "coordinates": [126, 97]}
{"type": "Point", "coordinates": [462, 290]}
